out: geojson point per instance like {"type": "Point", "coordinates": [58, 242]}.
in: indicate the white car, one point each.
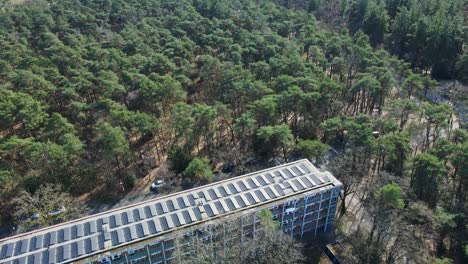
{"type": "Point", "coordinates": [157, 184]}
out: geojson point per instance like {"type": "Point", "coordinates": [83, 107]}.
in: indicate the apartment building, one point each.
{"type": "Point", "coordinates": [300, 197]}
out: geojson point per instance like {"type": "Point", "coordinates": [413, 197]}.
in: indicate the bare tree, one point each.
{"type": "Point", "coordinates": [350, 171]}
{"type": "Point", "coordinates": [232, 242]}
{"type": "Point", "coordinates": [47, 206]}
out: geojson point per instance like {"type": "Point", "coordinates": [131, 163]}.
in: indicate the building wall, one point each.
{"type": "Point", "coordinates": [312, 212]}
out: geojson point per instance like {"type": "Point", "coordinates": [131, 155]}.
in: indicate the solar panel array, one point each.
{"type": "Point", "coordinates": [90, 235]}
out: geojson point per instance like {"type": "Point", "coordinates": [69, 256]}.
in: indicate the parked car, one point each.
{"type": "Point", "coordinates": [155, 185]}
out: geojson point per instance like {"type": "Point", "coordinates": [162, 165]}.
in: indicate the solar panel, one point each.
{"type": "Point", "coordinates": [92, 227]}
{"type": "Point", "coordinates": [299, 180]}
{"type": "Point", "coordinates": [186, 215]}
{"type": "Point", "coordinates": [304, 168]}
{"type": "Point", "coordinates": [127, 234]}
{"type": "Point", "coordinates": [191, 199]}
{"type": "Point", "coordinates": [22, 260]}
{"type": "Point", "coordinates": [152, 226]}
{"type": "Point", "coordinates": [66, 251]}
{"type": "Point", "coordinates": [260, 196]}
{"type": "Point", "coordinates": [270, 178]}
{"type": "Point", "coordinates": [181, 218]}
{"type": "Point", "coordinates": [170, 206]}
{"type": "Point", "coordinates": [175, 219]}
{"type": "Point", "coordinates": [252, 184]}
{"type": "Point", "coordinates": [295, 185]}
{"type": "Point", "coordinates": [17, 248]}
{"type": "Point", "coordinates": [217, 193]}
{"type": "Point", "coordinates": [254, 195]}
{"type": "Point", "coordinates": [163, 223]}
{"type": "Point", "coordinates": [207, 210]}
{"type": "Point", "coordinates": [219, 207]}
{"type": "Point", "coordinates": [228, 189]}
{"type": "Point", "coordinates": [73, 250]}
{"type": "Point", "coordinates": [242, 186]}
{"type": "Point", "coordinates": [284, 176]}
{"type": "Point", "coordinates": [24, 245]}
{"type": "Point", "coordinates": [265, 194]}
{"type": "Point", "coordinates": [139, 230]}
{"type": "Point", "coordinates": [73, 232]}
{"type": "Point", "coordinates": [32, 244]}
{"type": "Point", "coordinates": [153, 210]}
{"type": "Point", "coordinates": [94, 243]}
{"type": "Point", "coordinates": [243, 200]}
{"type": "Point", "coordinates": [307, 182]}
{"type": "Point", "coordinates": [145, 228]}
{"type": "Point", "coordinates": [120, 236]}
{"type": "Point", "coordinates": [289, 172]}
{"type": "Point", "coordinates": [52, 256]}
{"type": "Point", "coordinates": [181, 203]}
{"type": "Point", "coordinates": [277, 190]}
{"type": "Point", "coordinates": [148, 212]}
{"type": "Point", "coordinates": [264, 179]}
{"type": "Point", "coordinates": [135, 214]}
{"type": "Point", "coordinates": [81, 247]}
{"type": "Point", "coordinates": [314, 179]}
{"type": "Point", "coordinates": [80, 230]}
{"type": "Point", "coordinates": [222, 191]}
{"type": "Point", "coordinates": [105, 220]}
{"type": "Point", "coordinates": [133, 232]}
{"type": "Point", "coordinates": [38, 241]}
{"type": "Point", "coordinates": [207, 195]}
{"type": "Point", "coordinates": [157, 224]}
{"type": "Point", "coordinates": [170, 222]}
{"type": "Point", "coordinates": [37, 258]}
{"type": "Point", "coordinates": [270, 192]}
{"type": "Point", "coordinates": [175, 204]}
{"type": "Point", "coordinates": [297, 171]}
{"type": "Point", "coordinates": [192, 215]}
{"type": "Point", "coordinates": [129, 217]}
{"type": "Point", "coordinates": [250, 199]}
{"type": "Point", "coordinates": [117, 220]}
{"type": "Point", "coordinates": [213, 208]}
{"type": "Point", "coordinates": [235, 203]}
{"type": "Point", "coordinates": [87, 245]}
{"type": "Point", "coordinates": [261, 180]}
{"type": "Point", "coordinates": [159, 208]}
{"type": "Point", "coordinates": [186, 201]}
{"type": "Point", "coordinates": [9, 250]}
{"type": "Point", "coordinates": [229, 204]}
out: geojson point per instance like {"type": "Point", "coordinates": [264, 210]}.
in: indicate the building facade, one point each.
{"type": "Point", "coordinates": [300, 197]}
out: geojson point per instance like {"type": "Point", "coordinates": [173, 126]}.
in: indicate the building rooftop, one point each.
{"type": "Point", "coordinates": [91, 235]}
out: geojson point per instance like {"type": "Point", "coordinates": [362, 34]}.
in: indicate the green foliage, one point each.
{"type": "Point", "coordinates": [199, 170]}
{"type": "Point", "coordinates": [429, 34]}
{"type": "Point", "coordinates": [312, 149]}
{"type": "Point", "coordinates": [129, 180]}
{"type": "Point", "coordinates": [266, 220]}
{"type": "Point", "coordinates": [428, 174]}
{"type": "Point", "coordinates": [20, 108]}
{"type": "Point", "coordinates": [390, 196]}
{"type": "Point", "coordinates": [271, 140]}
{"type": "Point", "coordinates": [442, 261]}
{"type": "Point", "coordinates": [178, 159]}
{"type": "Point", "coordinates": [112, 140]}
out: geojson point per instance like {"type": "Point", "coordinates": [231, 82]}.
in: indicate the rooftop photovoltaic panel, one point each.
{"type": "Point", "coordinates": [181, 203]}
{"type": "Point", "coordinates": [224, 205]}
{"type": "Point", "coordinates": [70, 241]}
{"type": "Point", "coordinates": [297, 171]}
{"type": "Point", "coordinates": [260, 180]}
